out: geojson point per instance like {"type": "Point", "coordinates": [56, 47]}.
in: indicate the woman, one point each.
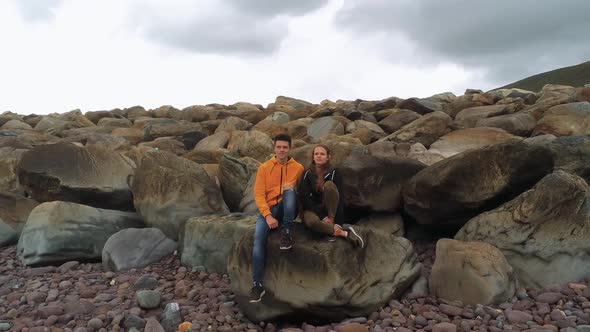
{"type": "Point", "coordinates": [319, 193]}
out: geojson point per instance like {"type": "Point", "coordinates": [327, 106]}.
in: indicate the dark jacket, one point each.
{"type": "Point", "coordinates": [312, 200]}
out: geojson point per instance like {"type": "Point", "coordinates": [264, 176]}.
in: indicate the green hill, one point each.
{"type": "Point", "coordinates": [577, 75]}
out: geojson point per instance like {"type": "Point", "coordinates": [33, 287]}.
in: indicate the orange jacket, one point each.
{"type": "Point", "coordinates": [271, 179]}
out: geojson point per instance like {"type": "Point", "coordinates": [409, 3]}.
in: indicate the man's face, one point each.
{"type": "Point", "coordinates": [281, 150]}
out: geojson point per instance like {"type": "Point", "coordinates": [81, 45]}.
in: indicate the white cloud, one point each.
{"type": "Point", "coordinates": [94, 55]}
{"type": "Point", "coordinates": [37, 10]}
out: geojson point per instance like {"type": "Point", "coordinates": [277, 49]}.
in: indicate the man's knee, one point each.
{"type": "Point", "coordinates": [260, 229]}
{"type": "Point", "coordinates": [289, 198]}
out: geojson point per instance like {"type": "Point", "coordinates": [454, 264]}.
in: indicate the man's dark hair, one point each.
{"type": "Point", "coordinates": [284, 138]}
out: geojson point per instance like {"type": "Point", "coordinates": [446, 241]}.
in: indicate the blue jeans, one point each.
{"type": "Point", "coordinates": [284, 212]}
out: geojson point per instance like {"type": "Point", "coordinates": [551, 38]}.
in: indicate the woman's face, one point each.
{"type": "Point", "coordinates": [320, 156]}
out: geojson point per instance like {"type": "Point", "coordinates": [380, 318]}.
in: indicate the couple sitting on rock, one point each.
{"type": "Point", "coordinates": [276, 197]}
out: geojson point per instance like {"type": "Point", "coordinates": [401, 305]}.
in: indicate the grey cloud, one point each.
{"type": "Point", "coordinates": [240, 27]}
{"type": "Point", "coordinates": [277, 7]}
{"type": "Point", "coordinates": [509, 39]}
{"type": "Point", "coordinates": [37, 10]}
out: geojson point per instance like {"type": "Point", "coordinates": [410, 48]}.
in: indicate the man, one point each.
{"type": "Point", "coordinates": [274, 193]}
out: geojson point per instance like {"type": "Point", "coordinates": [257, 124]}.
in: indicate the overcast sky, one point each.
{"type": "Point", "coordinates": [59, 55]}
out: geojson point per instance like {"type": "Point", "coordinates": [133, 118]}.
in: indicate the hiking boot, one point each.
{"type": "Point", "coordinates": [353, 237]}
{"type": "Point", "coordinates": [286, 240]}
{"type": "Point", "coordinates": [256, 294]}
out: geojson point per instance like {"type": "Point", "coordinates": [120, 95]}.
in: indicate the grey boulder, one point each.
{"type": "Point", "coordinates": [544, 232]}
{"type": "Point", "coordinates": [207, 240]}
{"type": "Point", "coordinates": [135, 248]}
{"type": "Point", "coordinates": [321, 279]}
{"type": "Point", "coordinates": [58, 232]}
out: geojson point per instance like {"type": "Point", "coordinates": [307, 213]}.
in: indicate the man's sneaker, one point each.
{"type": "Point", "coordinates": [353, 237]}
{"type": "Point", "coordinates": [256, 294]}
{"type": "Point", "coordinates": [286, 240]}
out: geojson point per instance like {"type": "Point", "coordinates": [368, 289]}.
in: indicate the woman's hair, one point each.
{"type": "Point", "coordinates": [325, 147]}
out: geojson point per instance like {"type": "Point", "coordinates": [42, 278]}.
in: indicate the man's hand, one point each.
{"type": "Point", "coordinates": [329, 220]}
{"type": "Point", "coordinates": [271, 222]}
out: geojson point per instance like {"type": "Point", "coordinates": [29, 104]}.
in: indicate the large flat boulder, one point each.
{"type": "Point", "coordinates": [425, 130]}
{"type": "Point", "coordinates": [168, 190]}
{"type": "Point", "coordinates": [462, 140]}
{"type": "Point", "coordinates": [544, 232]}
{"type": "Point", "coordinates": [135, 248]}
{"type": "Point", "coordinates": [541, 106]}
{"type": "Point", "coordinates": [471, 272]}
{"type": "Point", "coordinates": [468, 118]}
{"type": "Point", "coordinates": [89, 175]}
{"type": "Point", "coordinates": [207, 240]}
{"type": "Point", "coordinates": [311, 281]}
{"type": "Point", "coordinates": [397, 119]}
{"type": "Point", "coordinates": [519, 124]}
{"type": "Point", "coordinates": [58, 232]}
{"type": "Point", "coordinates": [565, 120]}
{"type": "Point", "coordinates": [456, 189]}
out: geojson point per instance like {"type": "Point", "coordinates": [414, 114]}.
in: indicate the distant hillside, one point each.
{"type": "Point", "coordinates": [577, 75]}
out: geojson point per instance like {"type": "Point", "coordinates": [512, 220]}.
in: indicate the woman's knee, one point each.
{"type": "Point", "coordinates": [309, 218]}
{"type": "Point", "coordinates": [330, 186]}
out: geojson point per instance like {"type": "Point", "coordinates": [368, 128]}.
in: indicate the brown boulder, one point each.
{"type": "Point", "coordinates": [471, 272]}
{"type": "Point", "coordinates": [565, 120]}
{"type": "Point", "coordinates": [89, 175]}
{"type": "Point", "coordinates": [519, 124]}
{"type": "Point", "coordinates": [397, 119]}
{"type": "Point", "coordinates": [467, 118]}
{"type": "Point", "coordinates": [167, 190]}
{"type": "Point", "coordinates": [543, 232]}
{"type": "Point", "coordinates": [461, 140]}
{"type": "Point", "coordinates": [458, 188]}
{"type": "Point", "coordinates": [426, 130]}
{"type": "Point", "coordinates": [252, 144]}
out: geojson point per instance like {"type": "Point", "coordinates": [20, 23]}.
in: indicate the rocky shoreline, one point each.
{"type": "Point", "coordinates": [82, 297]}
{"type": "Point", "coordinates": [161, 202]}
